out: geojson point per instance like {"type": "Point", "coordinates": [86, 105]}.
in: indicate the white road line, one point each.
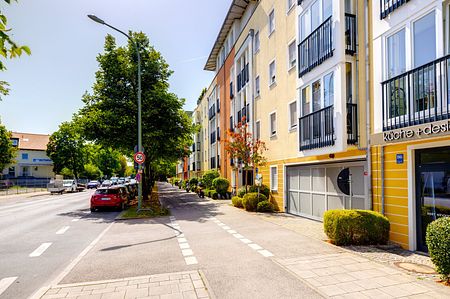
{"type": "Point", "coordinates": [226, 227]}
{"type": "Point", "coordinates": [238, 236]}
{"type": "Point", "coordinates": [246, 241]}
{"type": "Point", "coordinates": [220, 224]}
{"type": "Point", "coordinates": [190, 260]}
{"type": "Point", "coordinates": [184, 246]}
{"type": "Point", "coordinates": [40, 250]}
{"type": "Point", "coordinates": [5, 283]}
{"type": "Point", "coordinates": [76, 219]}
{"type": "Point", "coordinates": [255, 246]}
{"type": "Point", "coordinates": [182, 240]}
{"type": "Point", "coordinates": [187, 252]}
{"type": "Point", "coordinates": [265, 253]}
{"type": "Point", "coordinates": [62, 230]}
{"type": "Point", "coordinates": [232, 231]}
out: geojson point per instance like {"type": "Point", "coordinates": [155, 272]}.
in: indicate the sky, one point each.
{"type": "Point", "coordinates": [46, 87]}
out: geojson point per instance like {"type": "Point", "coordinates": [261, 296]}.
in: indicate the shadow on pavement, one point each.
{"type": "Point", "coordinates": [106, 216]}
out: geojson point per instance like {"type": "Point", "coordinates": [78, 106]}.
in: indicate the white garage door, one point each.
{"type": "Point", "coordinates": [312, 190]}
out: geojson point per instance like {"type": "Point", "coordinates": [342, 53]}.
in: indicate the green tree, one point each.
{"type": "Point", "coordinates": [123, 165]}
{"type": "Point", "coordinates": [108, 161]}
{"type": "Point", "coordinates": [92, 171]}
{"type": "Point", "coordinates": [8, 48]}
{"type": "Point", "coordinates": [7, 151]}
{"type": "Point", "coordinates": [66, 148]}
{"type": "Point", "coordinates": [109, 113]}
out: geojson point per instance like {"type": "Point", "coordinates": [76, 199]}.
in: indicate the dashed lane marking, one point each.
{"type": "Point", "coordinates": [255, 246]}
{"type": "Point", "coordinates": [5, 283]}
{"type": "Point", "coordinates": [40, 250]}
{"type": "Point", "coordinates": [62, 230]}
{"type": "Point", "coordinates": [76, 219]}
{"type": "Point", "coordinates": [265, 253]}
{"type": "Point", "coordinates": [186, 250]}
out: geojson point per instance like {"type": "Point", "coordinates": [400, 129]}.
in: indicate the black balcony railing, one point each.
{"type": "Point", "coordinates": [421, 95]}
{"type": "Point", "coordinates": [350, 34]}
{"type": "Point", "coordinates": [239, 117]}
{"type": "Point", "coordinates": [213, 137]}
{"type": "Point", "coordinates": [243, 77]}
{"type": "Point", "coordinates": [231, 124]}
{"type": "Point", "coordinates": [352, 123]}
{"type": "Point", "coordinates": [388, 6]}
{"type": "Point", "coordinates": [316, 47]}
{"type": "Point", "coordinates": [317, 129]}
{"type": "Point", "coordinates": [218, 133]}
{"type": "Point", "coordinates": [218, 161]}
{"type": "Point", "coordinates": [231, 90]}
{"type": "Point", "coordinates": [218, 105]}
{"type": "Point", "coordinates": [212, 111]}
{"type": "Point", "coordinates": [213, 162]}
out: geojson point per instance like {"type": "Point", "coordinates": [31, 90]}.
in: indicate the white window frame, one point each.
{"type": "Point", "coordinates": [289, 66]}
{"type": "Point", "coordinates": [271, 134]}
{"type": "Point", "coordinates": [271, 30]}
{"type": "Point", "coordinates": [292, 128]}
{"type": "Point", "coordinates": [274, 73]}
{"type": "Point", "coordinates": [258, 136]}
{"type": "Point", "coordinates": [274, 185]}
{"type": "Point", "coordinates": [257, 38]}
{"type": "Point", "coordinates": [290, 8]}
{"type": "Point", "coordinates": [257, 86]}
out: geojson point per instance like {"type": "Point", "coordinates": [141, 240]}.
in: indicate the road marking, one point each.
{"type": "Point", "coordinates": [40, 250]}
{"type": "Point", "coordinates": [184, 246]}
{"type": "Point", "coordinates": [265, 253]}
{"type": "Point", "coordinates": [5, 283]}
{"type": "Point", "coordinates": [182, 240]}
{"type": "Point", "coordinates": [226, 227]}
{"type": "Point", "coordinates": [191, 260]}
{"type": "Point", "coordinates": [246, 241]}
{"type": "Point", "coordinates": [232, 231]}
{"type": "Point", "coordinates": [62, 230]}
{"type": "Point", "coordinates": [76, 219]}
{"type": "Point", "coordinates": [238, 236]}
{"type": "Point", "coordinates": [255, 246]}
{"type": "Point", "coordinates": [186, 250]}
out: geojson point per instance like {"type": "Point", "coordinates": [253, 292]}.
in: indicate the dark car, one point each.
{"type": "Point", "coordinates": [93, 185]}
{"type": "Point", "coordinates": [116, 197]}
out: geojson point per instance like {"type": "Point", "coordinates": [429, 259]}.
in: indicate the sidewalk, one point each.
{"type": "Point", "coordinates": [4, 196]}
{"type": "Point", "coordinates": [182, 285]}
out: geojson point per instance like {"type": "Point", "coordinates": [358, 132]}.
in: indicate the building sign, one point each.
{"type": "Point", "coordinates": [42, 160]}
{"type": "Point", "coordinates": [400, 158]}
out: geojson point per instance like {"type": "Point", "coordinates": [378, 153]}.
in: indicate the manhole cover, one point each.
{"type": "Point", "coordinates": [415, 268]}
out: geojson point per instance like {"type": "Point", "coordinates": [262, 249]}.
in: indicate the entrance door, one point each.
{"type": "Point", "coordinates": [432, 189]}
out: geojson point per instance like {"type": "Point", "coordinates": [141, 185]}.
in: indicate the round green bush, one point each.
{"type": "Point", "coordinates": [264, 206]}
{"type": "Point", "coordinates": [237, 202]}
{"type": "Point", "coordinates": [208, 177]}
{"type": "Point", "coordinates": [241, 191]}
{"type": "Point", "coordinates": [356, 227]}
{"type": "Point", "coordinates": [193, 181]}
{"type": "Point", "coordinates": [438, 242]}
{"type": "Point", "coordinates": [251, 201]}
{"type": "Point", "coordinates": [221, 185]}
{"type": "Point", "coordinates": [214, 194]}
{"type": "Point", "coordinates": [262, 189]}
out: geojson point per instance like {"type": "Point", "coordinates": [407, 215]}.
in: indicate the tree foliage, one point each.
{"type": "Point", "coordinates": [108, 161]}
{"type": "Point", "coordinates": [7, 151]}
{"type": "Point", "coordinates": [67, 149]}
{"type": "Point", "coordinates": [8, 48]}
{"type": "Point", "coordinates": [109, 115]}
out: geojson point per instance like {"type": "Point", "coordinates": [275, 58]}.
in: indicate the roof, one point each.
{"type": "Point", "coordinates": [236, 11]}
{"type": "Point", "coordinates": [29, 141]}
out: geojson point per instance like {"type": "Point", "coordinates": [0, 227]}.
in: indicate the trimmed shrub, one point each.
{"type": "Point", "coordinates": [208, 177]}
{"type": "Point", "coordinates": [193, 182]}
{"type": "Point", "coordinates": [183, 184]}
{"type": "Point", "coordinates": [241, 191]}
{"type": "Point", "coordinates": [214, 194]}
{"type": "Point", "coordinates": [207, 191]}
{"type": "Point", "coordinates": [237, 202]}
{"type": "Point", "coordinates": [264, 206]}
{"type": "Point", "coordinates": [438, 242]}
{"type": "Point", "coordinates": [251, 201]}
{"type": "Point", "coordinates": [262, 189]}
{"type": "Point", "coordinates": [356, 227]}
{"type": "Point", "coordinates": [221, 185]}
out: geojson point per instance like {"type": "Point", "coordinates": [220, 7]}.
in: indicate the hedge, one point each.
{"type": "Point", "coordinates": [237, 202]}
{"type": "Point", "coordinates": [193, 182]}
{"type": "Point", "coordinates": [262, 189]}
{"type": "Point", "coordinates": [438, 242]}
{"type": "Point", "coordinates": [356, 227]}
{"type": "Point", "coordinates": [265, 206]}
{"type": "Point", "coordinates": [208, 178]}
{"type": "Point", "coordinates": [221, 185]}
{"type": "Point", "coordinates": [251, 201]}
{"type": "Point", "coordinates": [213, 194]}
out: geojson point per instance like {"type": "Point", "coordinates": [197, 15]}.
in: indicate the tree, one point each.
{"type": "Point", "coordinates": [248, 151]}
{"type": "Point", "coordinates": [66, 148]}
{"type": "Point", "coordinates": [7, 150]}
{"type": "Point", "coordinates": [202, 94]}
{"type": "Point", "coordinates": [8, 49]}
{"type": "Point", "coordinates": [91, 171]}
{"type": "Point", "coordinates": [108, 161]}
{"type": "Point", "coordinates": [109, 113]}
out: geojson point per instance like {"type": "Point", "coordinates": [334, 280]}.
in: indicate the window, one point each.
{"type": "Point", "coordinates": [293, 115]}
{"type": "Point", "coordinates": [306, 100]}
{"type": "Point", "coordinates": [328, 90]}
{"type": "Point", "coordinates": [24, 156]}
{"type": "Point", "coordinates": [290, 4]}
{"type": "Point", "coordinates": [424, 38]}
{"type": "Point", "coordinates": [257, 88]}
{"type": "Point", "coordinates": [273, 124]}
{"type": "Point", "coordinates": [258, 130]}
{"type": "Point", "coordinates": [15, 142]}
{"type": "Point", "coordinates": [272, 73]}
{"type": "Point", "coordinates": [304, 29]}
{"type": "Point", "coordinates": [272, 21]}
{"type": "Point", "coordinates": [327, 9]}
{"type": "Point", "coordinates": [292, 54]}
{"type": "Point", "coordinates": [12, 172]}
{"type": "Point", "coordinates": [315, 15]}
{"type": "Point", "coordinates": [257, 43]}
{"type": "Point", "coordinates": [316, 101]}
{"type": "Point", "coordinates": [396, 54]}
{"type": "Point", "coordinates": [273, 178]}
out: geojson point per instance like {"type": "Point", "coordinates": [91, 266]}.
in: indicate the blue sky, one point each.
{"type": "Point", "coordinates": [46, 87]}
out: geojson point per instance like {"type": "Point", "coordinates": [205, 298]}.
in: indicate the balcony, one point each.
{"type": "Point", "coordinates": [418, 96]}
{"type": "Point", "coordinates": [218, 105]}
{"type": "Point", "coordinates": [388, 6]}
{"type": "Point", "coordinates": [212, 111]}
{"type": "Point", "coordinates": [352, 124]}
{"type": "Point", "coordinates": [315, 48]}
{"type": "Point", "coordinates": [213, 162]}
{"type": "Point", "coordinates": [231, 90]}
{"type": "Point", "coordinates": [243, 77]}
{"type": "Point", "coordinates": [317, 129]}
{"type": "Point", "coordinates": [350, 34]}
{"type": "Point", "coordinates": [213, 137]}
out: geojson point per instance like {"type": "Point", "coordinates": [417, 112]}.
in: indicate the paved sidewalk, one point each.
{"type": "Point", "coordinates": [181, 285]}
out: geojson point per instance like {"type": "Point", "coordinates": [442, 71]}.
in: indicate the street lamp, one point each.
{"type": "Point", "coordinates": [136, 46]}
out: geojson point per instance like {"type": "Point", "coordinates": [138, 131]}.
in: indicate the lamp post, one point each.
{"type": "Point", "coordinates": [136, 46]}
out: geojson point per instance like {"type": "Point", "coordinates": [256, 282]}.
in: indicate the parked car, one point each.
{"type": "Point", "coordinates": [115, 197]}
{"type": "Point", "coordinates": [93, 185]}
{"type": "Point", "coordinates": [121, 181]}
{"type": "Point", "coordinates": [106, 183]}
{"type": "Point", "coordinates": [70, 185]}
{"type": "Point", "coordinates": [114, 180]}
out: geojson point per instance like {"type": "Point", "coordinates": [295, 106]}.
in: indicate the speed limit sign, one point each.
{"type": "Point", "coordinates": [139, 157]}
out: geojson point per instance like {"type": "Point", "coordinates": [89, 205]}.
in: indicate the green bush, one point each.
{"type": "Point", "coordinates": [183, 184]}
{"type": "Point", "coordinates": [264, 206]}
{"type": "Point", "coordinates": [221, 185]}
{"type": "Point", "coordinates": [356, 227]}
{"type": "Point", "coordinates": [241, 191]}
{"type": "Point", "coordinates": [262, 189]}
{"type": "Point", "coordinates": [214, 194]}
{"type": "Point", "coordinates": [237, 202]}
{"type": "Point", "coordinates": [193, 182]}
{"type": "Point", "coordinates": [208, 177]}
{"type": "Point", "coordinates": [251, 201]}
{"type": "Point", "coordinates": [207, 192]}
{"type": "Point", "coordinates": [438, 242]}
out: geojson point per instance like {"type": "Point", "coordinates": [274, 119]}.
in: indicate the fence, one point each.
{"type": "Point", "coordinates": [22, 185]}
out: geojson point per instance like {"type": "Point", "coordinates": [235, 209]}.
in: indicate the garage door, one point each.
{"type": "Point", "coordinates": [312, 190]}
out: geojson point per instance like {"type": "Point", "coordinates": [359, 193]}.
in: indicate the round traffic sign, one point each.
{"type": "Point", "coordinates": [139, 157]}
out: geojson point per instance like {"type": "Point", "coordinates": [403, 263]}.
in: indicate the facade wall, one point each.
{"type": "Point", "coordinates": [32, 163]}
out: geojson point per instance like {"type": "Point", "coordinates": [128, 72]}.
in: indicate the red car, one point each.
{"type": "Point", "coordinates": [109, 197]}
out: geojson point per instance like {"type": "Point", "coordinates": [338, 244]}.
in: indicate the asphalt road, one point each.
{"type": "Point", "coordinates": [40, 236]}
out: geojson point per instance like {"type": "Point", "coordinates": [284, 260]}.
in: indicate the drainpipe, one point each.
{"type": "Point", "coordinates": [382, 179]}
{"type": "Point", "coordinates": [369, 92]}
{"type": "Point", "coordinates": [252, 35]}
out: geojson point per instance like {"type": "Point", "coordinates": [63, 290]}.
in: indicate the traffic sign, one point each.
{"type": "Point", "coordinates": [139, 157]}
